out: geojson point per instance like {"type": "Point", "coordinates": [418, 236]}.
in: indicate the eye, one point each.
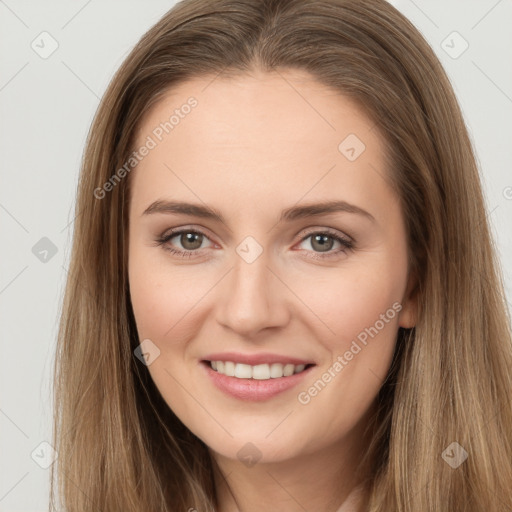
{"type": "Point", "coordinates": [191, 241]}
{"type": "Point", "coordinates": [322, 243]}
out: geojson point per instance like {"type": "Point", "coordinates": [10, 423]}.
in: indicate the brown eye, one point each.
{"type": "Point", "coordinates": [190, 240]}
{"type": "Point", "coordinates": [322, 242]}
{"type": "Point", "coordinates": [185, 242]}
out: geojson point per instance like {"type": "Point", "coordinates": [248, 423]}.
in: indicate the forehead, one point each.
{"type": "Point", "coordinates": [250, 134]}
{"type": "Point", "coordinates": [258, 104]}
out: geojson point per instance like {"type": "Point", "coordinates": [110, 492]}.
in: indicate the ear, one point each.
{"type": "Point", "coordinates": [409, 312]}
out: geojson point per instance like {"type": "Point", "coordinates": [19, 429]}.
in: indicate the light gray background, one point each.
{"type": "Point", "coordinates": [46, 107]}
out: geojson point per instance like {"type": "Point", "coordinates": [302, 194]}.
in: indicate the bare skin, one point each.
{"type": "Point", "coordinates": [251, 148]}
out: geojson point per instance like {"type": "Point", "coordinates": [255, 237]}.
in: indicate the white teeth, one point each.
{"type": "Point", "coordinates": [288, 369]}
{"type": "Point", "coordinates": [259, 371]}
{"type": "Point", "coordinates": [299, 368]}
{"type": "Point", "coordinates": [243, 371]}
{"type": "Point", "coordinates": [276, 370]}
{"type": "Point", "coordinates": [229, 369]}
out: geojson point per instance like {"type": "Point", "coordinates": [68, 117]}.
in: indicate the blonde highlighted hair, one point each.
{"type": "Point", "coordinates": [120, 446]}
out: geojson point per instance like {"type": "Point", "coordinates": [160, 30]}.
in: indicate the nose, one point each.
{"type": "Point", "coordinates": [252, 298]}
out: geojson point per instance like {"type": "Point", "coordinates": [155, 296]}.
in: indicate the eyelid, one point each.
{"type": "Point", "coordinates": [329, 231]}
{"type": "Point", "coordinates": [189, 229]}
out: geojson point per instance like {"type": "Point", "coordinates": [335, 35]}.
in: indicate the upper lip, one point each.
{"type": "Point", "coordinates": [255, 359]}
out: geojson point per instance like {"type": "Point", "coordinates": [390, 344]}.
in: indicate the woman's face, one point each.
{"type": "Point", "coordinates": [270, 279]}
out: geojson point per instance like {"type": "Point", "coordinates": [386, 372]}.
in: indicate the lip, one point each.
{"type": "Point", "coordinates": [254, 359]}
{"type": "Point", "coordinates": [253, 390]}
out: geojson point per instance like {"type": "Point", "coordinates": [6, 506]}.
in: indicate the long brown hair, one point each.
{"type": "Point", "coordinates": [120, 446]}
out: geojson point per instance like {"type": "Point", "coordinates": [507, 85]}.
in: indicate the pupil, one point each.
{"type": "Point", "coordinates": [321, 239]}
{"type": "Point", "coordinates": [191, 238]}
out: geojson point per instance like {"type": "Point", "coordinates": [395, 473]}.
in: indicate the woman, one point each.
{"type": "Point", "coordinates": [283, 292]}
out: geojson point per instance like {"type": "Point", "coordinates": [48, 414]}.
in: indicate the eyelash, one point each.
{"type": "Point", "coordinates": [346, 244]}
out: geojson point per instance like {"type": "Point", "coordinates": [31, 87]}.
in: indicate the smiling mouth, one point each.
{"type": "Point", "coordinates": [256, 372]}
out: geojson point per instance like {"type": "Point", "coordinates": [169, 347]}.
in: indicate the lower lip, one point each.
{"type": "Point", "coordinates": [253, 390]}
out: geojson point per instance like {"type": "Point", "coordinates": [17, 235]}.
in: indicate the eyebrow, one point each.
{"type": "Point", "coordinates": [288, 215]}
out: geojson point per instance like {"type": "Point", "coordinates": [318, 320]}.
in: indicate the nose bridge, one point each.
{"type": "Point", "coordinates": [250, 299]}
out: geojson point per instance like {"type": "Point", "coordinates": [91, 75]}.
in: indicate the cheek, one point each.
{"type": "Point", "coordinates": [347, 301]}
{"type": "Point", "coordinates": [163, 301]}
{"type": "Point", "coordinates": [154, 305]}
{"type": "Point", "coordinates": [363, 315]}
{"type": "Point", "coordinates": [359, 312]}
{"type": "Point", "coordinates": [163, 307]}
